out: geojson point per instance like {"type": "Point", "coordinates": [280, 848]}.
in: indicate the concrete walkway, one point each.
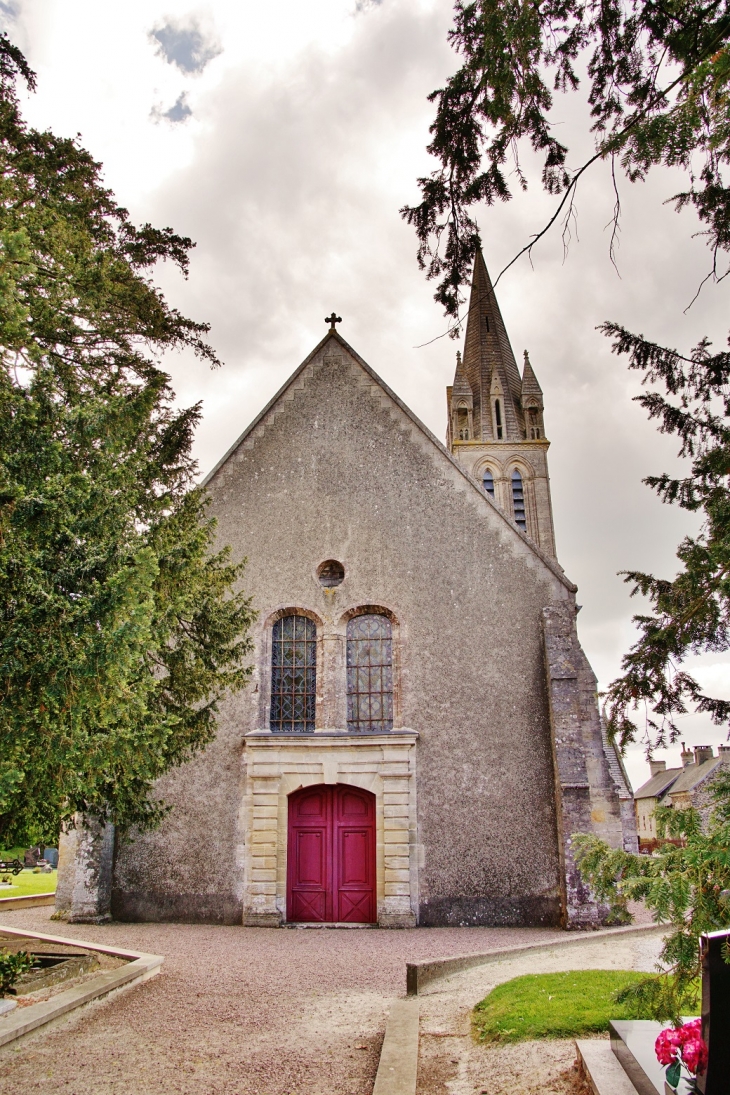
{"type": "Point", "coordinates": [236, 1011]}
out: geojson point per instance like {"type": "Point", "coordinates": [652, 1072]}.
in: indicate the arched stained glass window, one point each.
{"type": "Point", "coordinates": [518, 501]}
{"type": "Point", "coordinates": [369, 673]}
{"type": "Point", "coordinates": [293, 674]}
{"type": "Point", "coordinates": [488, 482]}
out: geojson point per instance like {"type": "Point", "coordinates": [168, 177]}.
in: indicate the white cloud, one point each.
{"type": "Point", "coordinates": [306, 136]}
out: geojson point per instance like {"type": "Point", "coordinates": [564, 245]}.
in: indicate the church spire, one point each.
{"type": "Point", "coordinates": [489, 364]}
{"type": "Point", "coordinates": [495, 417]}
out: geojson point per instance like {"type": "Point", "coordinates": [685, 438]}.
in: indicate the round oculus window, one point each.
{"type": "Point", "coordinates": [330, 573]}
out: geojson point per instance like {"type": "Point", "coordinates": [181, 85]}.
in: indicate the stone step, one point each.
{"type": "Point", "coordinates": [601, 1068]}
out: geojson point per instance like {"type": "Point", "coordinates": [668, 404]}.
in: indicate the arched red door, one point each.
{"type": "Point", "coordinates": [331, 855]}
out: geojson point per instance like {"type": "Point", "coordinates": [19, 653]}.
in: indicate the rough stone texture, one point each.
{"type": "Point", "coordinates": [701, 796]}
{"type": "Point", "coordinates": [586, 793]}
{"type": "Point", "coordinates": [619, 776]}
{"type": "Point", "coordinates": [337, 468]}
{"type": "Point", "coordinates": [85, 856]}
{"type": "Point", "coordinates": [191, 868]}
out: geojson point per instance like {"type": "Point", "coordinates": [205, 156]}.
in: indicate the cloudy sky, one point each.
{"type": "Point", "coordinates": [284, 138]}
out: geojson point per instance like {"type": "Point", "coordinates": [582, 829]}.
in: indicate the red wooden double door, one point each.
{"type": "Point", "coordinates": [331, 856]}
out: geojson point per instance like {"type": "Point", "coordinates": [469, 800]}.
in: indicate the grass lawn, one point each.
{"type": "Point", "coordinates": [554, 1005]}
{"type": "Point", "coordinates": [27, 883]}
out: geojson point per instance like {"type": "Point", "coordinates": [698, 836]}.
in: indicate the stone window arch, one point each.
{"type": "Point", "coordinates": [293, 673]}
{"type": "Point", "coordinates": [463, 422]}
{"type": "Point", "coordinates": [532, 423]}
{"type": "Point", "coordinates": [487, 477]}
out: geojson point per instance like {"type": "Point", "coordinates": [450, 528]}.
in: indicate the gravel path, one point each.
{"type": "Point", "coordinates": [452, 1063]}
{"type": "Point", "coordinates": [235, 1011]}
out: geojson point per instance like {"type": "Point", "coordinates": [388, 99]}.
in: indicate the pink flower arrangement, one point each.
{"type": "Point", "coordinates": [679, 1046]}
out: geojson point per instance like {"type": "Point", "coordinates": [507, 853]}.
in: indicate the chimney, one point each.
{"type": "Point", "coordinates": [688, 756]}
{"type": "Point", "coordinates": [657, 766]}
{"type": "Point", "coordinates": [703, 753]}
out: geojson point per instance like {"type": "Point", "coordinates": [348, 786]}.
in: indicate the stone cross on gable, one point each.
{"type": "Point", "coordinates": [332, 320]}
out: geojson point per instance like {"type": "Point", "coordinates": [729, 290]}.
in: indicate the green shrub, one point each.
{"type": "Point", "coordinates": [555, 1005]}
{"type": "Point", "coordinates": [12, 966]}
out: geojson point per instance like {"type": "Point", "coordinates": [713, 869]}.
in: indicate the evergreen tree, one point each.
{"type": "Point", "coordinates": [658, 90]}
{"type": "Point", "coordinates": [120, 626]}
{"type": "Point", "coordinates": [685, 884]}
{"type": "Point", "coordinates": [657, 75]}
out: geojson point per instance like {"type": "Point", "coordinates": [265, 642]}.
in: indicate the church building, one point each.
{"type": "Point", "coordinates": [421, 737]}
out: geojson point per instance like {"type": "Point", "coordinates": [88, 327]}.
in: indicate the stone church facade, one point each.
{"type": "Point", "coordinates": [421, 737]}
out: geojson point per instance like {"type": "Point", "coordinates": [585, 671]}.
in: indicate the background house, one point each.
{"type": "Point", "coordinates": [690, 785]}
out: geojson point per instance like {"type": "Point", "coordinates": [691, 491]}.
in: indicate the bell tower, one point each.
{"type": "Point", "coordinates": [496, 427]}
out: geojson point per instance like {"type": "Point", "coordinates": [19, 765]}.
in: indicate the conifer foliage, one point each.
{"type": "Point", "coordinates": [685, 884]}
{"type": "Point", "coordinates": [120, 627]}
{"type": "Point", "coordinates": [690, 613]}
{"type": "Point", "coordinates": [657, 75]}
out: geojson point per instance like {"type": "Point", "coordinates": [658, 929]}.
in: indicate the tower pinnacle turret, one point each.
{"type": "Point", "coordinates": [495, 417]}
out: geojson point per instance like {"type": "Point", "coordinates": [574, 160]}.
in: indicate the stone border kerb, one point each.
{"type": "Point", "coordinates": [421, 974]}
{"type": "Point", "coordinates": [140, 967]}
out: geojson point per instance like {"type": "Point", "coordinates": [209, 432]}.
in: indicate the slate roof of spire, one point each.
{"type": "Point", "coordinates": [462, 388]}
{"type": "Point", "coordinates": [530, 385]}
{"type": "Point", "coordinates": [487, 351]}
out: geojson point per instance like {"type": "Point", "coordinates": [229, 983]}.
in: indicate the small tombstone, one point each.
{"type": "Point", "coordinates": [715, 1012]}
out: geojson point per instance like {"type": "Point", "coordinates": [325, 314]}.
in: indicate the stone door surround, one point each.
{"type": "Point", "coordinates": [278, 764]}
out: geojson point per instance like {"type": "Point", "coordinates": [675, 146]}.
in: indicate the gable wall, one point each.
{"type": "Point", "coordinates": [337, 470]}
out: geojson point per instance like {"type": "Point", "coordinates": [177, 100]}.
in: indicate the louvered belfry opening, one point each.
{"type": "Point", "coordinates": [369, 673]}
{"type": "Point", "coordinates": [518, 501]}
{"type": "Point", "coordinates": [293, 675]}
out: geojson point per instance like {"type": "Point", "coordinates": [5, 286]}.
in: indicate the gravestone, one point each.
{"type": "Point", "coordinates": [715, 1013]}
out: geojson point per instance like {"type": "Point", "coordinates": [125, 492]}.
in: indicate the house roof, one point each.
{"type": "Point", "coordinates": [334, 336]}
{"type": "Point", "coordinates": [694, 774]}
{"type": "Point", "coordinates": [659, 784]}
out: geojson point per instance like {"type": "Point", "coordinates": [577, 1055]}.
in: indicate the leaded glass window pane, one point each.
{"type": "Point", "coordinates": [369, 673]}
{"type": "Point", "coordinates": [293, 675]}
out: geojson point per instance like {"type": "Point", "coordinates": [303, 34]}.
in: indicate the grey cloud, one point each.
{"type": "Point", "coordinates": [292, 195]}
{"type": "Point", "coordinates": [178, 112]}
{"type": "Point", "coordinates": [185, 45]}
{"type": "Point", "coordinates": [9, 11]}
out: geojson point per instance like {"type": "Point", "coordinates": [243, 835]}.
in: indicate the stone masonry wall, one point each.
{"type": "Point", "coordinates": [338, 469]}
{"type": "Point", "coordinates": [586, 794]}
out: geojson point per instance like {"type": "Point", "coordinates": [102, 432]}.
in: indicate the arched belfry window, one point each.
{"type": "Point", "coordinates": [488, 482]}
{"type": "Point", "coordinates": [293, 674]}
{"type": "Point", "coordinates": [462, 422]}
{"type": "Point", "coordinates": [518, 500]}
{"type": "Point", "coordinates": [369, 673]}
